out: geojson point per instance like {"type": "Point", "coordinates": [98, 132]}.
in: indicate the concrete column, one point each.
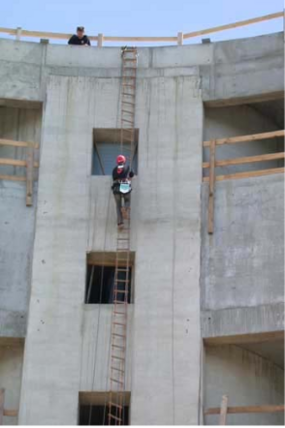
{"type": "Point", "coordinates": [166, 354]}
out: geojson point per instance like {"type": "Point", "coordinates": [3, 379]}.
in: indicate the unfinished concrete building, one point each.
{"type": "Point", "coordinates": [205, 305]}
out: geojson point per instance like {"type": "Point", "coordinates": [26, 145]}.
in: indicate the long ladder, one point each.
{"type": "Point", "coordinates": [122, 269]}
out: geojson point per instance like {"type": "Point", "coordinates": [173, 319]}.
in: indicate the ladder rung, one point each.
{"type": "Point", "coordinates": [126, 120]}
{"type": "Point", "coordinates": [121, 291]}
{"type": "Point", "coordinates": [119, 323]}
{"type": "Point", "coordinates": [118, 370]}
{"type": "Point", "coordinates": [115, 405]}
{"type": "Point", "coordinates": [129, 95]}
{"type": "Point", "coordinates": [114, 417]}
{"type": "Point", "coordinates": [119, 347]}
{"type": "Point", "coordinates": [117, 381]}
{"type": "Point", "coordinates": [129, 84]}
{"type": "Point", "coordinates": [119, 302]}
{"type": "Point", "coordinates": [117, 334]}
{"type": "Point", "coordinates": [127, 102]}
{"type": "Point", "coordinates": [117, 358]}
{"type": "Point", "coordinates": [123, 280]}
{"type": "Point", "coordinates": [128, 112]}
{"type": "Point", "coordinates": [129, 77]}
{"type": "Point", "coordinates": [130, 59]}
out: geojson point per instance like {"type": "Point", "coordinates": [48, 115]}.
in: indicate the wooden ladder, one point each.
{"type": "Point", "coordinates": [122, 268]}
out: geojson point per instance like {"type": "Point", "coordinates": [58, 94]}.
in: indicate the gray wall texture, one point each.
{"type": "Point", "coordinates": [247, 379]}
{"type": "Point", "coordinates": [80, 90]}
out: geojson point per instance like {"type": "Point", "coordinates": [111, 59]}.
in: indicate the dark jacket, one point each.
{"type": "Point", "coordinates": [75, 40]}
{"type": "Point", "coordinates": [126, 173]}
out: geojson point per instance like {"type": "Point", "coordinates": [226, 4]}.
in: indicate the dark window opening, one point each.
{"type": "Point", "coordinates": [98, 415]}
{"type": "Point", "coordinates": [100, 284]}
{"type": "Point", "coordinates": [106, 148]}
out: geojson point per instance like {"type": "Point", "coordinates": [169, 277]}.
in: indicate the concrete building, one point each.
{"type": "Point", "coordinates": [206, 317]}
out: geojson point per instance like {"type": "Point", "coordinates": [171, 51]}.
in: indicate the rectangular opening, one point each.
{"type": "Point", "coordinates": [240, 120]}
{"type": "Point", "coordinates": [100, 278]}
{"type": "Point", "coordinates": [20, 122]}
{"type": "Point", "coordinates": [93, 407]}
{"type": "Point", "coordinates": [107, 146]}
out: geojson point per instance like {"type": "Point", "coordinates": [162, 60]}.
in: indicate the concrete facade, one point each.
{"type": "Point", "coordinates": [188, 286]}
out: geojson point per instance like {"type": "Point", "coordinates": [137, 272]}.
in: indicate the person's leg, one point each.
{"type": "Point", "coordinates": [127, 204]}
{"type": "Point", "coordinates": [118, 200]}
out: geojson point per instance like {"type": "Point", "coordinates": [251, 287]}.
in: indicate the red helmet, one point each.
{"type": "Point", "coordinates": [121, 159]}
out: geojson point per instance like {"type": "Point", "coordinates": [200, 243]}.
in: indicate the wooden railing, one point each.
{"type": "Point", "coordinates": [3, 411]}
{"type": "Point", "coordinates": [212, 164]}
{"type": "Point", "coordinates": [29, 164]}
{"type": "Point", "coordinates": [179, 38]}
{"type": "Point", "coordinates": [224, 410]}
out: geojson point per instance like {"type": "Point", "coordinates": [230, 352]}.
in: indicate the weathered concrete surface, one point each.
{"type": "Point", "coordinates": [95, 359]}
{"type": "Point", "coordinates": [168, 234]}
{"type": "Point", "coordinates": [247, 379]}
{"type": "Point", "coordinates": [245, 68]}
{"type": "Point", "coordinates": [11, 361]}
{"type": "Point", "coordinates": [16, 249]}
{"type": "Point", "coordinates": [236, 69]}
{"type": "Point", "coordinates": [242, 263]}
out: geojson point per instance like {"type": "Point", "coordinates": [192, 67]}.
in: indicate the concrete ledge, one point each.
{"type": "Point", "coordinates": [13, 324]}
{"type": "Point", "coordinates": [242, 321]}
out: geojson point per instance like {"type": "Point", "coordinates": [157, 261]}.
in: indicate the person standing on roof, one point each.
{"type": "Point", "coordinates": [79, 39]}
{"type": "Point", "coordinates": [122, 188]}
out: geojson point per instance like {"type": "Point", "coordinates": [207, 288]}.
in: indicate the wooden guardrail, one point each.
{"type": "Point", "coordinates": [213, 163]}
{"type": "Point", "coordinates": [179, 38]}
{"type": "Point", "coordinates": [224, 410]}
{"type": "Point", "coordinates": [3, 411]}
{"type": "Point", "coordinates": [29, 164]}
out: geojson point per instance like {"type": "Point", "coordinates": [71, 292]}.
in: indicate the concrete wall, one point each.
{"type": "Point", "coordinates": [244, 68]}
{"type": "Point", "coordinates": [11, 361]}
{"type": "Point", "coordinates": [168, 235]}
{"type": "Point", "coordinates": [233, 121]}
{"type": "Point", "coordinates": [242, 262]}
{"type": "Point", "coordinates": [247, 379]}
{"type": "Point", "coordinates": [95, 359]}
{"type": "Point", "coordinates": [231, 70]}
{"type": "Point", "coordinates": [17, 223]}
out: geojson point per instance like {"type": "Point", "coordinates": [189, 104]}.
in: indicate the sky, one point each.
{"type": "Point", "coordinates": [140, 17]}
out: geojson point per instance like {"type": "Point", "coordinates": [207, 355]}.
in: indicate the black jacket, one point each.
{"type": "Point", "coordinates": [75, 40]}
{"type": "Point", "coordinates": [126, 173]}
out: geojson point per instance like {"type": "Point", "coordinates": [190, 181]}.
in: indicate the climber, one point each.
{"type": "Point", "coordinates": [80, 38]}
{"type": "Point", "coordinates": [122, 188]}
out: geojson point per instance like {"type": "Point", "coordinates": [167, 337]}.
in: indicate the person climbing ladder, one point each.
{"type": "Point", "coordinates": [122, 188]}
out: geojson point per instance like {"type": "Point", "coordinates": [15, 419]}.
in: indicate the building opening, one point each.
{"type": "Point", "coordinates": [107, 146]}
{"type": "Point", "coordinates": [100, 279]}
{"type": "Point", "coordinates": [93, 408]}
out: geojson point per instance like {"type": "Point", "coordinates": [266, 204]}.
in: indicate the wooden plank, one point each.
{"type": "Point", "coordinates": [12, 178]}
{"type": "Point", "coordinates": [2, 395]}
{"type": "Point", "coordinates": [5, 142]}
{"type": "Point", "coordinates": [16, 162]}
{"type": "Point", "coordinates": [30, 176]}
{"type": "Point", "coordinates": [247, 159]}
{"type": "Point", "coordinates": [10, 413]}
{"type": "Point", "coordinates": [247, 409]}
{"type": "Point", "coordinates": [139, 39]}
{"type": "Point", "coordinates": [234, 25]}
{"type": "Point", "coordinates": [211, 188]}
{"type": "Point", "coordinates": [246, 138]}
{"type": "Point", "coordinates": [223, 411]}
{"type": "Point", "coordinates": [247, 174]}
